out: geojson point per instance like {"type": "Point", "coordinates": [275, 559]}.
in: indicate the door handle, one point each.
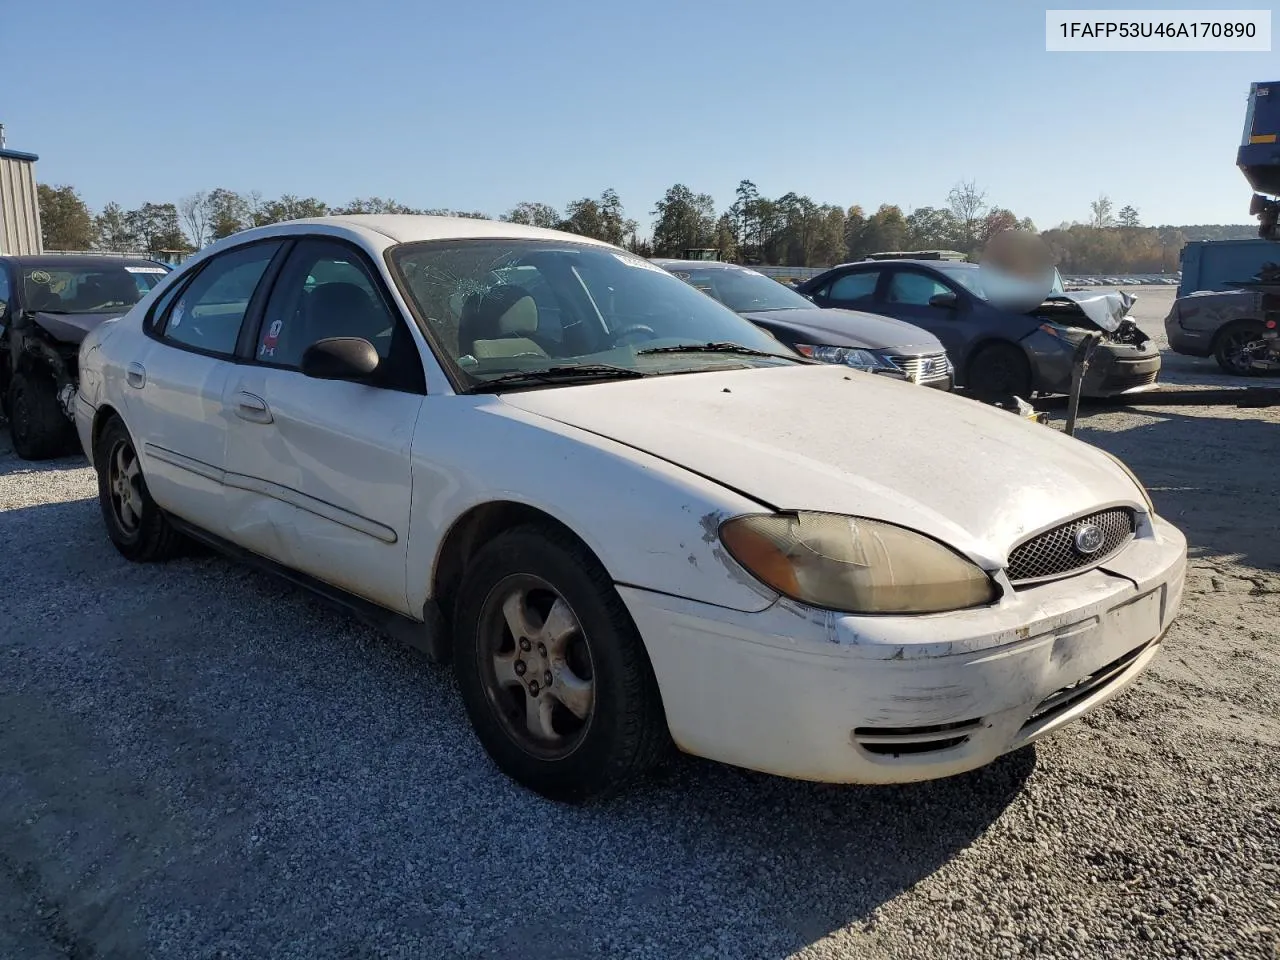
{"type": "Point", "coordinates": [252, 408]}
{"type": "Point", "coordinates": [136, 375]}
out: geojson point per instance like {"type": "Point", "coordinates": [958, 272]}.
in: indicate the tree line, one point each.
{"type": "Point", "coordinates": [790, 230]}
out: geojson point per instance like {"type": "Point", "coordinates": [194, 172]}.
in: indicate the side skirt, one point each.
{"type": "Point", "coordinates": [429, 637]}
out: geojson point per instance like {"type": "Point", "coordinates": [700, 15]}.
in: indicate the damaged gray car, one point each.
{"type": "Point", "coordinates": [48, 303]}
{"type": "Point", "coordinates": [1235, 327]}
{"type": "Point", "coordinates": [998, 351]}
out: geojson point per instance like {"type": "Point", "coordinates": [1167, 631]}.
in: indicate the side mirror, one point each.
{"type": "Point", "coordinates": [947, 301]}
{"type": "Point", "coordinates": [340, 358]}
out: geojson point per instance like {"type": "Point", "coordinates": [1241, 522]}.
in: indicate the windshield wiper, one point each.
{"type": "Point", "coordinates": [563, 374]}
{"type": "Point", "coordinates": [722, 346]}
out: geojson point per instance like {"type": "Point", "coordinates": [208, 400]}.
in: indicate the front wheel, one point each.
{"type": "Point", "coordinates": [37, 425]}
{"type": "Point", "coordinates": [552, 671]}
{"type": "Point", "coordinates": [1236, 347]}
{"type": "Point", "coordinates": [999, 370]}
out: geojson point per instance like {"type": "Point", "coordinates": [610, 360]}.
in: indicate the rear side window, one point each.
{"type": "Point", "coordinates": [207, 314]}
{"type": "Point", "coordinates": [855, 286]}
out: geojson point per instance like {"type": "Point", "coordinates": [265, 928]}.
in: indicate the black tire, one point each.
{"type": "Point", "coordinates": [39, 428]}
{"type": "Point", "coordinates": [624, 733]}
{"type": "Point", "coordinates": [150, 536]}
{"type": "Point", "coordinates": [999, 370]}
{"type": "Point", "coordinates": [1228, 347]}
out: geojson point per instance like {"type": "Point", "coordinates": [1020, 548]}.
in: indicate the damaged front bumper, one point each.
{"type": "Point", "coordinates": [815, 695]}
{"type": "Point", "coordinates": [1114, 368]}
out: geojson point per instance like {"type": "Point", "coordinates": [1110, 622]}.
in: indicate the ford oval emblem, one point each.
{"type": "Point", "coordinates": [1089, 539]}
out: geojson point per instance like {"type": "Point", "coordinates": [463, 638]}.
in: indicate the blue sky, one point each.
{"type": "Point", "coordinates": [479, 105]}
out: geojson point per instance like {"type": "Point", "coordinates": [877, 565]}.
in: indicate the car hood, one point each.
{"type": "Point", "coordinates": [852, 328]}
{"type": "Point", "coordinates": [1105, 309]}
{"type": "Point", "coordinates": [825, 438]}
{"type": "Point", "coordinates": [72, 327]}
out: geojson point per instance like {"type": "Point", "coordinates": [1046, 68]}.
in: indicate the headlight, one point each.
{"type": "Point", "coordinates": [855, 565]}
{"type": "Point", "coordinates": [1072, 335]}
{"type": "Point", "coordinates": [849, 356]}
{"type": "Point", "coordinates": [1146, 497]}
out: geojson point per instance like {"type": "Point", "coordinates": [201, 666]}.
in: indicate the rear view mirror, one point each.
{"type": "Point", "coordinates": [340, 358]}
{"type": "Point", "coordinates": [947, 301]}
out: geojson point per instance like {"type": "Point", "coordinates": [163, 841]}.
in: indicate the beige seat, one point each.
{"type": "Point", "coordinates": [501, 322]}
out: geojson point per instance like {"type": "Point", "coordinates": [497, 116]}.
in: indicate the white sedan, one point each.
{"type": "Point", "coordinates": [626, 514]}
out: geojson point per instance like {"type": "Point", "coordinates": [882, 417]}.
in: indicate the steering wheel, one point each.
{"type": "Point", "coordinates": [636, 328]}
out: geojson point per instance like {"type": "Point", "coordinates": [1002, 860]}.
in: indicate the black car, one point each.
{"type": "Point", "coordinates": [999, 352]}
{"type": "Point", "coordinates": [47, 305]}
{"type": "Point", "coordinates": [860, 340]}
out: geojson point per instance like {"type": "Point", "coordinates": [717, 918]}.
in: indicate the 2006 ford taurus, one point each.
{"type": "Point", "coordinates": [627, 515]}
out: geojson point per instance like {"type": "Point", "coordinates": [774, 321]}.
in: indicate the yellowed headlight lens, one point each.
{"type": "Point", "coordinates": [855, 565]}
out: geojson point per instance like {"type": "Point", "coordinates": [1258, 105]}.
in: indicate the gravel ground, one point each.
{"type": "Point", "coordinates": [198, 761]}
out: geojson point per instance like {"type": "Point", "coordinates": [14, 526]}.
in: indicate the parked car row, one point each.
{"type": "Point", "coordinates": [1146, 279]}
{"type": "Point", "coordinates": [947, 328]}
{"type": "Point", "coordinates": [629, 516]}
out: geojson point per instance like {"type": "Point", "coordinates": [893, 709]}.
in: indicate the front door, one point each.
{"type": "Point", "coordinates": [319, 471]}
{"type": "Point", "coordinates": [907, 297]}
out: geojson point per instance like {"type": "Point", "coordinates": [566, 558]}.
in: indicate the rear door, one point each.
{"type": "Point", "coordinates": [318, 471]}
{"type": "Point", "coordinates": [175, 383]}
{"type": "Point", "coordinates": [852, 290]}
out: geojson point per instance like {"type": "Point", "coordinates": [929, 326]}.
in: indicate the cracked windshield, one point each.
{"type": "Point", "coordinates": [521, 313]}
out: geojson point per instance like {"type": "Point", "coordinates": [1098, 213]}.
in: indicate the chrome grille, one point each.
{"type": "Point", "coordinates": [925, 368]}
{"type": "Point", "coordinates": [1054, 553]}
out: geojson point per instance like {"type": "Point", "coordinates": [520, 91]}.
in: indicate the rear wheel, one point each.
{"type": "Point", "coordinates": [39, 428]}
{"type": "Point", "coordinates": [552, 670]}
{"type": "Point", "coordinates": [135, 523]}
{"type": "Point", "coordinates": [1236, 345]}
{"type": "Point", "coordinates": [999, 370]}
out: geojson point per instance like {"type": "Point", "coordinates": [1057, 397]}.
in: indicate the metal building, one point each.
{"type": "Point", "coordinates": [19, 204]}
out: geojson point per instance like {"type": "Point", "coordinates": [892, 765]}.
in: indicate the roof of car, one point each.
{"type": "Point", "coordinates": [56, 260]}
{"type": "Point", "coordinates": [412, 227]}
{"type": "Point", "coordinates": [936, 264]}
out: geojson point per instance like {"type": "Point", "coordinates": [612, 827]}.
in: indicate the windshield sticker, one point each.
{"type": "Point", "coordinates": [179, 309]}
{"type": "Point", "coordinates": [145, 269]}
{"type": "Point", "coordinates": [40, 276]}
{"type": "Point", "coordinates": [637, 262]}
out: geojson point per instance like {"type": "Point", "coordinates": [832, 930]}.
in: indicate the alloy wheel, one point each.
{"type": "Point", "coordinates": [124, 481]}
{"type": "Point", "coordinates": [536, 665]}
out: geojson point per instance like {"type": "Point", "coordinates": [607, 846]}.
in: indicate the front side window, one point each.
{"type": "Point", "coordinates": [208, 313]}
{"type": "Point", "coordinates": [914, 289]}
{"type": "Point", "coordinates": [71, 289]}
{"type": "Point", "coordinates": [855, 286]}
{"type": "Point", "coordinates": [323, 291]}
{"type": "Point", "coordinates": [516, 307]}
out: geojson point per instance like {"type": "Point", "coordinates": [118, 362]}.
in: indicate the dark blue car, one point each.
{"type": "Point", "coordinates": [996, 351]}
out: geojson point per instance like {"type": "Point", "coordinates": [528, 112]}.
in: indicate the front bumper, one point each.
{"type": "Point", "coordinates": [1115, 368]}
{"type": "Point", "coordinates": [815, 695]}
